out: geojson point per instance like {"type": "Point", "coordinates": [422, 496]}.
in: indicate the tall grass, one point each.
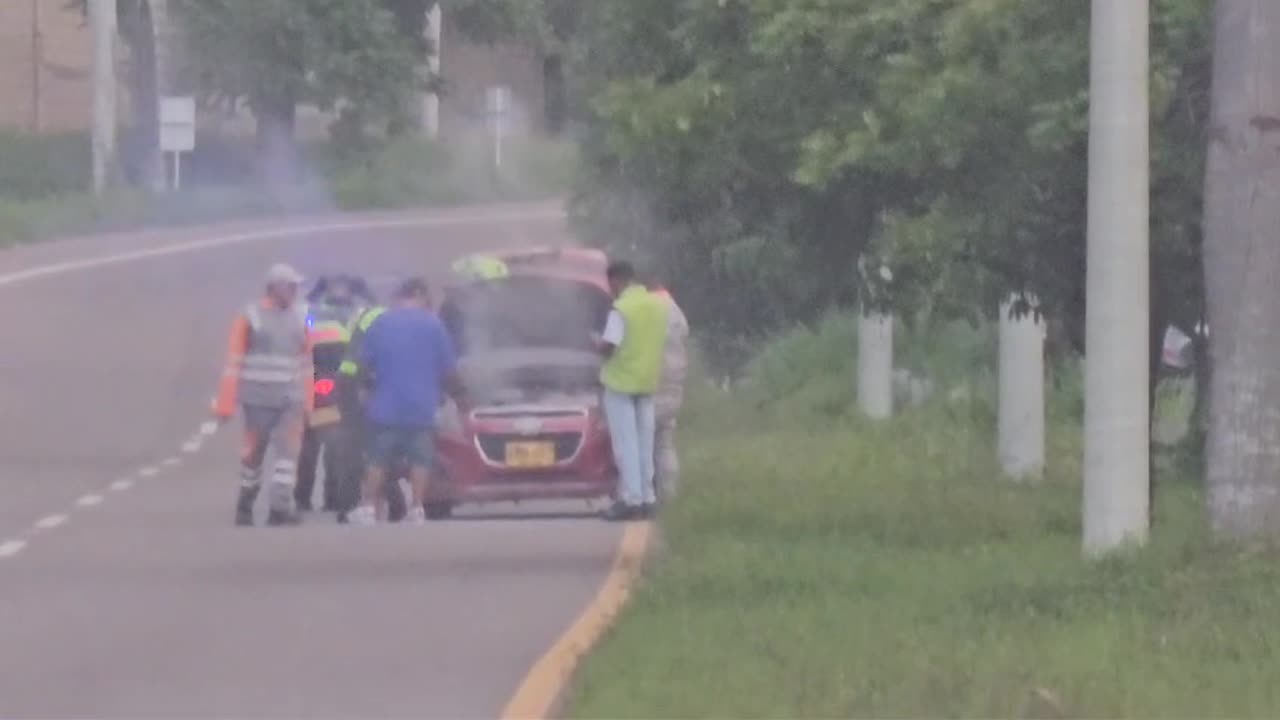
{"type": "Point", "coordinates": [818, 565]}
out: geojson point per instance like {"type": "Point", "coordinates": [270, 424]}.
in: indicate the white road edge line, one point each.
{"type": "Point", "coordinates": [89, 500]}
{"type": "Point", "coordinates": [50, 522]}
{"type": "Point", "coordinates": [219, 241]}
{"type": "Point", "coordinates": [208, 428]}
{"type": "Point", "coordinates": [9, 548]}
{"type": "Point", "coordinates": [172, 462]}
{"type": "Point", "coordinates": [149, 472]}
{"type": "Point", "coordinates": [121, 485]}
{"type": "Point", "coordinates": [191, 447]}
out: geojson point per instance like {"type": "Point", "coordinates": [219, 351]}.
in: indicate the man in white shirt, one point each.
{"type": "Point", "coordinates": [670, 395]}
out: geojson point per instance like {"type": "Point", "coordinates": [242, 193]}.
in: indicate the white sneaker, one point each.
{"type": "Point", "coordinates": [365, 516]}
{"type": "Point", "coordinates": [416, 516]}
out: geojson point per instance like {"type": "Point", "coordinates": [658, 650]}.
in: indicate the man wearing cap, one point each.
{"type": "Point", "coordinates": [269, 374]}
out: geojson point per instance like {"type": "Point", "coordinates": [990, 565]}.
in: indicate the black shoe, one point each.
{"type": "Point", "coordinates": [244, 506]}
{"type": "Point", "coordinates": [304, 506]}
{"type": "Point", "coordinates": [647, 511]}
{"type": "Point", "coordinates": [278, 518]}
{"type": "Point", "coordinates": [621, 512]}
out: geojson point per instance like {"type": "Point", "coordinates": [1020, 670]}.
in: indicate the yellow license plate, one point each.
{"type": "Point", "coordinates": [325, 416]}
{"type": "Point", "coordinates": [530, 454]}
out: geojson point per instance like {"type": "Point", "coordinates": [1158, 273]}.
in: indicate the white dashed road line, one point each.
{"type": "Point", "coordinates": [9, 548]}
{"type": "Point", "coordinates": [50, 522]}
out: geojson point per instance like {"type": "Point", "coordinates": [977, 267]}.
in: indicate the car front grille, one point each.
{"type": "Point", "coordinates": [493, 445]}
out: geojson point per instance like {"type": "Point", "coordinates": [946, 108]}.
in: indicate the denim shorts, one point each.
{"type": "Point", "coordinates": [389, 445]}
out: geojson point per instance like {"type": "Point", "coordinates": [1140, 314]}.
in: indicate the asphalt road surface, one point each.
{"type": "Point", "coordinates": [125, 591]}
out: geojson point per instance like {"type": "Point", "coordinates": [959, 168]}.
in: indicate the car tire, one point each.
{"type": "Point", "coordinates": [438, 510]}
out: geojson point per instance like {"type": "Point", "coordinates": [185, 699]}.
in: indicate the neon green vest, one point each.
{"type": "Point", "coordinates": [480, 267]}
{"type": "Point", "coordinates": [351, 363]}
{"type": "Point", "coordinates": [636, 366]}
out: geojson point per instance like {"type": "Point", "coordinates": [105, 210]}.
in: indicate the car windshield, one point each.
{"type": "Point", "coordinates": [523, 313]}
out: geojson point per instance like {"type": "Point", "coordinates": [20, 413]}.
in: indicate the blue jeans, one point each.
{"type": "Point", "coordinates": [631, 431]}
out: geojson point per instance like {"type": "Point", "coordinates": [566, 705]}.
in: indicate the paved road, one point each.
{"type": "Point", "coordinates": [124, 590]}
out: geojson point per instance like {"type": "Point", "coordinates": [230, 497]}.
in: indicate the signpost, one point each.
{"type": "Point", "coordinates": [498, 112]}
{"type": "Point", "coordinates": [177, 131]}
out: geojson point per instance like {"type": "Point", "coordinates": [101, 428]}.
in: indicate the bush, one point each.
{"type": "Point", "coordinates": [402, 174]}
{"type": "Point", "coordinates": [35, 167]}
{"type": "Point", "coordinates": [817, 565]}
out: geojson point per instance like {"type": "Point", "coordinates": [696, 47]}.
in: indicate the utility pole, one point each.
{"type": "Point", "coordinates": [37, 58]}
{"type": "Point", "coordinates": [1117, 415]}
{"type": "Point", "coordinates": [431, 101]}
{"type": "Point", "coordinates": [102, 23]}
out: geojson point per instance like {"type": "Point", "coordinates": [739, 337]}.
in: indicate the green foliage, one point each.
{"type": "Point", "coordinates": [278, 53]}
{"type": "Point", "coordinates": [774, 143]}
{"type": "Point", "coordinates": [35, 167]}
{"type": "Point", "coordinates": [816, 565]}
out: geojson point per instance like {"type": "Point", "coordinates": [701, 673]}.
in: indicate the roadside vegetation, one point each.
{"type": "Point", "coordinates": [818, 565]}
{"type": "Point", "coordinates": [44, 194]}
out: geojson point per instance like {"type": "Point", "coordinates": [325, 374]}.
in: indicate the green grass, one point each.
{"type": "Point", "coordinates": [820, 566]}
{"type": "Point", "coordinates": [40, 198]}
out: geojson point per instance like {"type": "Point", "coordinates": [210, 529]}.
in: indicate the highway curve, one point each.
{"type": "Point", "coordinates": [125, 591]}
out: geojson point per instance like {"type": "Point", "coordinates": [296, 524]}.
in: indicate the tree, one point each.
{"type": "Point", "coordinates": [1241, 263]}
{"type": "Point", "coordinates": [770, 143]}
{"type": "Point", "coordinates": [273, 55]}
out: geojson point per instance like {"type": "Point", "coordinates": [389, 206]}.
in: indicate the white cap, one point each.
{"type": "Point", "coordinates": [283, 273]}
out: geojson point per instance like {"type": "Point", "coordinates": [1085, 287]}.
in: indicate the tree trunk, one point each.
{"type": "Point", "coordinates": [144, 93]}
{"type": "Point", "coordinates": [1242, 262]}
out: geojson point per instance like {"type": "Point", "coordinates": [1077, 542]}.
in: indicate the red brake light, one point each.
{"type": "Point", "coordinates": [324, 386]}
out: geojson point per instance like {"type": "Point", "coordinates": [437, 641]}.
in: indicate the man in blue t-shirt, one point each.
{"type": "Point", "coordinates": [411, 362]}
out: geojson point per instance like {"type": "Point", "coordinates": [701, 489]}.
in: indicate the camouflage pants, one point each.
{"type": "Point", "coordinates": [666, 461]}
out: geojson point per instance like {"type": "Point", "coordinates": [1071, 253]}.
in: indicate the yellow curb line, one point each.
{"type": "Point", "coordinates": [546, 681]}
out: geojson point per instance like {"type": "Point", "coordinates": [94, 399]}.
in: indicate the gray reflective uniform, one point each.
{"type": "Point", "coordinates": [270, 389]}
{"type": "Point", "coordinates": [668, 399]}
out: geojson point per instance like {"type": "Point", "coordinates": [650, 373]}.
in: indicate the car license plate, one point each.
{"type": "Point", "coordinates": [325, 416]}
{"type": "Point", "coordinates": [530, 454]}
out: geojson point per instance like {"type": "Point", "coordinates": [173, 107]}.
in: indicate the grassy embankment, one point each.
{"type": "Point", "coordinates": [820, 566]}
{"type": "Point", "coordinates": [44, 193]}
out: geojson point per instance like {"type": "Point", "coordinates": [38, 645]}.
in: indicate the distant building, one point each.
{"type": "Point", "coordinates": [46, 58]}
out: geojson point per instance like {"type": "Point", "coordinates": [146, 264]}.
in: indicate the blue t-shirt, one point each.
{"type": "Point", "coordinates": [409, 354]}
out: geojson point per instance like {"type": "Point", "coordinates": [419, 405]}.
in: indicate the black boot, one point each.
{"type": "Point", "coordinates": [244, 505]}
{"type": "Point", "coordinates": [278, 518]}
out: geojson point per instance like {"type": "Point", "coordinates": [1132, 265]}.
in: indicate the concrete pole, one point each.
{"type": "Point", "coordinates": [875, 365]}
{"type": "Point", "coordinates": [102, 22]}
{"type": "Point", "coordinates": [1021, 420]}
{"type": "Point", "coordinates": [431, 101]}
{"type": "Point", "coordinates": [162, 28]}
{"type": "Point", "coordinates": [1117, 422]}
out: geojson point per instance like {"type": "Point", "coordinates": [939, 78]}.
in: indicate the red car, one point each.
{"type": "Point", "coordinates": [531, 426]}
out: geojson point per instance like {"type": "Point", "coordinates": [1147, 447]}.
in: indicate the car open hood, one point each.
{"type": "Point", "coordinates": [526, 338]}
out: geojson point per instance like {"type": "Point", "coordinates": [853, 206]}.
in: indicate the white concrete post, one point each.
{"type": "Point", "coordinates": [431, 101]}
{"type": "Point", "coordinates": [1021, 420]}
{"type": "Point", "coordinates": [1117, 416]}
{"type": "Point", "coordinates": [102, 23]}
{"type": "Point", "coordinates": [875, 365]}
